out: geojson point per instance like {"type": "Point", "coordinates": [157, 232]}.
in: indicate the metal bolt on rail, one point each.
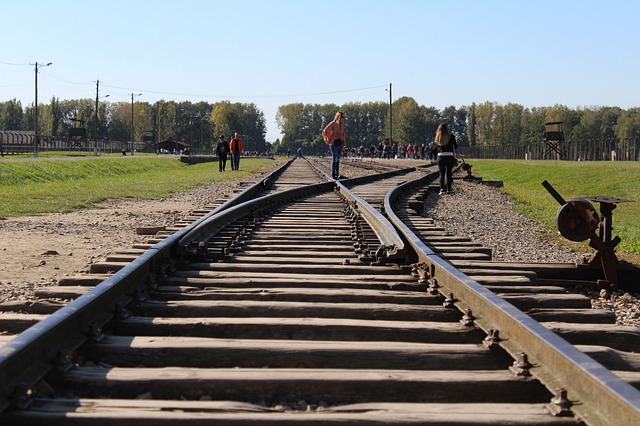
{"type": "Point", "coordinates": [94, 335]}
{"type": "Point", "coordinates": [492, 341]}
{"type": "Point", "coordinates": [449, 301]}
{"type": "Point", "coordinates": [433, 287]}
{"type": "Point", "coordinates": [63, 361]}
{"type": "Point", "coordinates": [468, 318]}
{"type": "Point", "coordinates": [521, 366]}
{"type": "Point", "coordinates": [560, 405]}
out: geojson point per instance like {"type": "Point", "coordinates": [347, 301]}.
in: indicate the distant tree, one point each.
{"type": "Point", "coordinates": [471, 125]}
{"type": "Point", "coordinates": [456, 119]}
{"type": "Point", "coordinates": [628, 124]}
{"type": "Point", "coordinates": [513, 115]}
{"type": "Point", "coordinates": [486, 124]}
{"type": "Point", "coordinates": [11, 115]}
{"type": "Point", "coordinates": [409, 123]}
{"type": "Point", "coordinates": [532, 126]}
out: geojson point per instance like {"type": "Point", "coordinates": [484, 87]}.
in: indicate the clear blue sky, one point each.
{"type": "Point", "coordinates": [578, 53]}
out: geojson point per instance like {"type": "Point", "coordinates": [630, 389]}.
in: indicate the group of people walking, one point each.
{"type": "Point", "coordinates": [334, 136]}
{"type": "Point", "coordinates": [233, 148]}
{"type": "Point", "coordinates": [445, 150]}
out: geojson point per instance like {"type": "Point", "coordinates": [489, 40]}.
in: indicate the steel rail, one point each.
{"type": "Point", "coordinates": [30, 355]}
{"type": "Point", "coordinates": [189, 244]}
{"type": "Point", "coordinates": [595, 394]}
{"type": "Point", "coordinates": [391, 243]}
{"type": "Point", "coordinates": [33, 353]}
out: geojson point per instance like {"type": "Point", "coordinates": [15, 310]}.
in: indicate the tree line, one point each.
{"type": "Point", "coordinates": [405, 121]}
{"type": "Point", "coordinates": [196, 124]}
{"type": "Point", "coordinates": [488, 124]}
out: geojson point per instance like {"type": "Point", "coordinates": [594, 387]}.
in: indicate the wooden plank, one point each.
{"type": "Point", "coordinates": [533, 289]}
{"type": "Point", "coordinates": [327, 282]}
{"type": "Point", "coordinates": [611, 358]}
{"type": "Point", "coordinates": [355, 274]}
{"type": "Point", "coordinates": [300, 294]}
{"type": "Point", "coordinates": [32, 306]}
{"type": "Point", "coordinates": [250, 269]}
{"type": "Point", "coordinates": [332, 386]}
{"type": "Point", "coordinates": [621, 337]}
{"type": "Point", "coordinates": [586, 316]}
{"type": "Point", "coordinates": [505, 280]}
{"type": "Point", "coordinates": [525, 301]}
{"type": "Point", "coordinates": [4, 338]}
{"type": "Point", "coordinates": [251, 308]}
{"type": "Point", "coordinates": [91, 280]}
{"type": "Point", "coordinates": [150, 351]}
{"type": "Point", "coordinates": [17, 323]}
{"type": "Point", "coordinates": [146, 412]}
{"type": "Point", "coordinates": [301, 329]}
{"type": "Point", "coordinates": [61, 292]}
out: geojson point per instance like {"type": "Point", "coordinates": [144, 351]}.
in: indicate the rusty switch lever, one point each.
{"type": "Point", "coordinates": [554, 193]}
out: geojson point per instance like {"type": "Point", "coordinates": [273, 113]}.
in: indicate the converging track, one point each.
{"type": "Point", "coordinates": [308, 300]}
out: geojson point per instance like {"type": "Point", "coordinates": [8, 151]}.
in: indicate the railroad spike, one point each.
{"type": "Point", "coordinates": [492, 340]}
{"type": "Point", "coordinates": [560, 405]}
{"type": "Point", "coordinates": [521, 366]}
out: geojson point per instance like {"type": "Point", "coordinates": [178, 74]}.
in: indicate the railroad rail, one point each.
{"type": "Point", "coordinates": [304, 299]}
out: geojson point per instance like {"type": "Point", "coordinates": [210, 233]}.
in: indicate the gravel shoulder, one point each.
{"type": "Point", "coordinates": [37, 251]}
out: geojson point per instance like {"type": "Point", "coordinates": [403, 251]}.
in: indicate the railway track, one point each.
{"type": "Point", "coordinates": [303, 300]}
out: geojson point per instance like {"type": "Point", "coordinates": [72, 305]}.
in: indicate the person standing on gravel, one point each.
{"type": "Point", "coordinates": [222, 149]}
{"type": "Point", "coordinates": [446, 148]}
{"type": "Point", "coordinates": [333, 136]}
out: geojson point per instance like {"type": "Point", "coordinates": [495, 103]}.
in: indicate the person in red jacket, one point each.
{"type": "Point", "coordinates": [236, 150]}
{"type": "Point", "coordinates": [333, 136]}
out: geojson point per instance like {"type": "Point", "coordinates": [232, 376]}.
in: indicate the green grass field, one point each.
{"type": "Point", "coordinates": [49, 185]}
{"type": "Point", "coordinates": [523, 182]}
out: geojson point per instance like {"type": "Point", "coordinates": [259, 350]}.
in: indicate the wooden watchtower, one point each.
{"type": "Point", "coordinates": [553, 139]}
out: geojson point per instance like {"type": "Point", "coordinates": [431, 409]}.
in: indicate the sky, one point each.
{"type": "Point", "coordinates": [578, 53]}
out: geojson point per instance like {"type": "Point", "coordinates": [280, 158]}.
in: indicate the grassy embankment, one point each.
{"type": "Point", "coordinates": [47, 185]}
{"type": "Point", "coordinates": [523, 182]}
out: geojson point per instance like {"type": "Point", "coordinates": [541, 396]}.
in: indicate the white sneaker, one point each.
{"type": "Point", "coordinates": [441, 192]}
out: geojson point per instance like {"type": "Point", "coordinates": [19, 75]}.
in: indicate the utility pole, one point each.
{"type": "Point", "coordinates": [390, 117]}
{"type": "Point", "coordinates": [95, 133]}
{"type": "Point", "coordinates": [132, 95]}
{"type": "Point", "coordinates": [36, 140]}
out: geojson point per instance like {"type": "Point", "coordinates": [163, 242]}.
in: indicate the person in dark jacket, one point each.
{"type": "Point", "coordinates": [222, 149]}
{"type": "Point", "coordinates": [446, 148]}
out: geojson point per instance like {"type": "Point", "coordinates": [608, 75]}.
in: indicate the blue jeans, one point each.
{"type": "Point", "coordinates": [235, 160]}
{"type": "Point", "coordinates": [335, 164]}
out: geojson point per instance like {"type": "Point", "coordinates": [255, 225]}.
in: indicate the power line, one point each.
{"type": "Point", "coordinates": [18, 65]}
{"type": "Point", "coordinates": [245, 96]}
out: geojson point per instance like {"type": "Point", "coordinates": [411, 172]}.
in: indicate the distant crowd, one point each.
{"type": "Point", "coordinates": [386, 150]}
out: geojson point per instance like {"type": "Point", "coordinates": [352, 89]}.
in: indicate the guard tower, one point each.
{"type": "Point", "coordinates": [553, 139]}
{"type": "Point", "coordinates": [78, 134]}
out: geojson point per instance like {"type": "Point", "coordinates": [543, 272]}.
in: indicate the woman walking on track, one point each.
{"type": "Point", "coordinates": [333, 136]}
{"type": "Point", "coordinates": [446, 147]}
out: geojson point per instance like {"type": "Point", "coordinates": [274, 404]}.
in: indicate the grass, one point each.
{"type": "Point", "coordinates": [523, 182]}
{"type": "Point", "coordinates": [48, 185]}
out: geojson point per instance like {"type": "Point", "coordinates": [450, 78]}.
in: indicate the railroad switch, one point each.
{"type": "Point", "coordinates": [578, 220]}
{"type": "Point", "coordinates": [466, 167]}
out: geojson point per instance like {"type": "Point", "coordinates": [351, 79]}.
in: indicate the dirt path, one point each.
{"type": "Point", "coordinates": [37, 251]}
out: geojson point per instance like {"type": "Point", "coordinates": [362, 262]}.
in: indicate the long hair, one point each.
{"type": "Point", "coordinates": [442, 135]}
{"type": "Point", "coordinates": [339, 118]}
